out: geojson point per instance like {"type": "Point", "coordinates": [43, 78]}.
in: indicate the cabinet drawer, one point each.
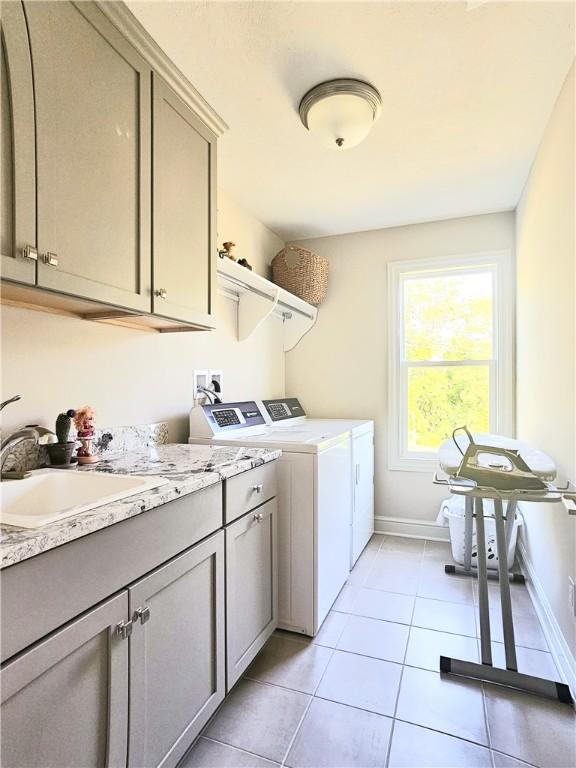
{"type": "Point", "coordinates": [248, 490]}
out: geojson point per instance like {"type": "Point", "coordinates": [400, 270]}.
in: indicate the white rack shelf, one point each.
{"type": "Point", "coordinates": [259, 298]}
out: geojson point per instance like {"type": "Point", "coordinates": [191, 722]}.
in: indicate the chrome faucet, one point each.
{"type": "Point", "coordinates": [10, 400]}
{"type": "Point", "coordinates": [30, 432]}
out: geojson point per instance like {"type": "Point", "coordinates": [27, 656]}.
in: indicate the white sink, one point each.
{"type": "Point", "coordinates": [49, 495]}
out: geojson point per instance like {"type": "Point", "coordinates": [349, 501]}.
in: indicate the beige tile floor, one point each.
{"type": "Point", "coordinates": [367, 692]}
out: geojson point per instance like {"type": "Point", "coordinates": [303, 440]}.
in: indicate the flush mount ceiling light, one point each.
{"type": "Point", "coordinates": [341, 112]}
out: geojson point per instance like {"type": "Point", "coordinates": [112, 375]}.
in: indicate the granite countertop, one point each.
{"type": "Point", "coordinates": [188, 468]}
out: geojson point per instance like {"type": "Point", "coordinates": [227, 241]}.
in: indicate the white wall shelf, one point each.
{"type": "Point", "coordinates": [259, 298]}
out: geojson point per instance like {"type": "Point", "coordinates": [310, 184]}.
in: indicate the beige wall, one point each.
{"type": "Point", "coordinates": [132, 376]}
{"type": "Point", "coordinates": [340, 368]}
{"type": "Point", "coordinates": [546, 357]}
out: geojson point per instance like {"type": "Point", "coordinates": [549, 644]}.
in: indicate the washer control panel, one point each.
{"type": "Point", "coordinates": [283, 408]}
{"type": "Point", "coordinates": [226, 417]}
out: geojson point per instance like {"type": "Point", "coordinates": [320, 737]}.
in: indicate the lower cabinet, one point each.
{"type": "Point", "coordinates": [130, 682]}
{"type": "Point", "coordinates": [251, 587]}
{"type": "Point", "coordinates": [176, 654]}
{"type": "Point", "coordinates": [65, 701]}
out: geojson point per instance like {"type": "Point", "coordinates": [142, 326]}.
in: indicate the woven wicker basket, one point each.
{"type": "Point", "coordinates": [303, 273]}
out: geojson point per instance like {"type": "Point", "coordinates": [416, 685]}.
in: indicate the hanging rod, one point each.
{"type": "Point", "coordinates": [259, 292]}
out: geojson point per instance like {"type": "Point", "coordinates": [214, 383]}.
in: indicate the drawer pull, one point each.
{"type": "Point", "coordinates": [162, 293]}
{"type": "Point", "coordinates": [29, 252]}
{"type": "Point", "coordinates": [51, 259]}
{"type": "Point", "coordinates": [258, 488]}
{"type": "Point", "coordinates": [258, 517]}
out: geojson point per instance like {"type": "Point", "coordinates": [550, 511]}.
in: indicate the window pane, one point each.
{"type": "Point", "coordinates": [448, 317]}
{"type": "Point", "coordinates": [443, 398]}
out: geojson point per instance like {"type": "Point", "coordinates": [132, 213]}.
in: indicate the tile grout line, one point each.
{"type": "Point", "coordinates": [300, 722]}
{"type": "Point", "coordinates": [313, 696]}
{"type": "Point", "coordinates": [389, 750]}
{"type": "Point", "coordinates": [450, 735]}
{"type": "Point", "coordinates": [236, 749]}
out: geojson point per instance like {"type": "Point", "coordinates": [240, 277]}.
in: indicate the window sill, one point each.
{"type": "Point", "coordinates": [414, 464]}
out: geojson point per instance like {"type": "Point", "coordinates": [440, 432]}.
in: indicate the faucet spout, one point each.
{"type": "Point", "coordinates": [10, 400]}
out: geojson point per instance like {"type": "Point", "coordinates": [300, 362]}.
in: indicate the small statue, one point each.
{"type": "Point", "coordinates": [244, 263]}
{"type": "Point", "coordinates": [84, 423]}
{"type": "Point", "coordinates": [228, 250]}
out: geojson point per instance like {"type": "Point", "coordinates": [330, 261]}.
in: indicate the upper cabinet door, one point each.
{"type": "Point", "coordinates": [184, 211]}
{"type": "Point", "coordinates": [92, 98]}
{"type": "Point", "coordinates": [17, 163]}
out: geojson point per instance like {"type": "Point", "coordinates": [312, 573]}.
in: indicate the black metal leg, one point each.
{"type": "Point", "coordinates": [505, 598]}
{"type": "Point", "coordinates": [483, 601]}
{"type": "Point", "coordinates": [489, 674]}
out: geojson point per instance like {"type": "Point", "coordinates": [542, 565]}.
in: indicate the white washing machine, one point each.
{"type": "Point", "coordinates": [315, 497]}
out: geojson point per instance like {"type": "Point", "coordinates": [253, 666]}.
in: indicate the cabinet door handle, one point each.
{"type": "Point", "coordinates": [258, 517]}
{"type": "Point", "coordinates": [51, 259]}
{"type": "Point", "coordinates": [257, 488]}
{"type": "Point", "coordinates": [123, 629]}
{"type": "Point", "coordinates": [29, 252]}
{"type": "Point", "coordinates": [161, 293]}
{"type": "Point", "coordinates": [142, 614]}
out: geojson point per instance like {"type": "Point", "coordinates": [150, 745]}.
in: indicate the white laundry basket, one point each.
{"type": "Point", "coordinates": [453, 510]}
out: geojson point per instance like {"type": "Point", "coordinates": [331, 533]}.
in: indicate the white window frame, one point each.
{"type": "Point", "coordinates": [502, 364]}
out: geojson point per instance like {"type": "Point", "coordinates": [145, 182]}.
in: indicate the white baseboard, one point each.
{"type": "Point", "coordinates": [411, 528]}
{"type": "Point", "coordinates": [559, 647]}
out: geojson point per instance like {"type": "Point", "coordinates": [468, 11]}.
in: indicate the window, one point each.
{"type": "Point", "coordinates": [450, 353]}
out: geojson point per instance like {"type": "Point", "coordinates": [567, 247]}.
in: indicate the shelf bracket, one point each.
{"type": "Point", "coordinates": [296, 327]}
{"type": "Point", "coordinates": [253, 309]}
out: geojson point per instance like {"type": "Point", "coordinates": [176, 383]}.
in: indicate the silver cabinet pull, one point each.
{"type": "Point", "coordinates": [124, 630]}
{"type": "Point", "coordinates": [51, 259]}
{"type": "Point", "coordinates": [258, 517]}
{"type": "Point", "coordinates": [257, 488]}
{"type": "Point", "coordinates": [29, 252]}
{"type": "Point", "coordinates": [161, 293]}
{"type": "Point", "coordinates": [142, 614]}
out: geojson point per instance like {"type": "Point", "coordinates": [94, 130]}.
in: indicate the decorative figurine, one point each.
{"type": "Point", "coordinates": [61, 452]}
{"type": "Point", "coordinates": [244, 263]}
{"type": "Point", "coordinates": [228, 251]}
{"type": "Point", "coordinates": [84, 423]}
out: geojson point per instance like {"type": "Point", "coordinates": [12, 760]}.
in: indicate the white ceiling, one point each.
{"type": "Point", "coordinates": [466, 96]}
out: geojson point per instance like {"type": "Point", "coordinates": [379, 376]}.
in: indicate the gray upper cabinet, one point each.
{"type": "Point", "coordinates": [17, 166]}
{"type": "Point", "coordinates": [184, 210]}
{"type": "Point", "coordinates": [92, 101]}
{"type": "Point", "coordinates": [176, 654]}
{"type": "Point", "coordinates": [251, 586]}
{"type": "Point", "coordinates": [65, 701]}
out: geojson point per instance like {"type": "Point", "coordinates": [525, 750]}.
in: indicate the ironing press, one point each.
{"type": "Point", "coordinates": [503, 470]}
{"type": "Point", "coordinates": [495, 467]}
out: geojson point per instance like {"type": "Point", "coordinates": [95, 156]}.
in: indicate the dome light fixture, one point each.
{"type": "Point", "coordinates": [341, 112]}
